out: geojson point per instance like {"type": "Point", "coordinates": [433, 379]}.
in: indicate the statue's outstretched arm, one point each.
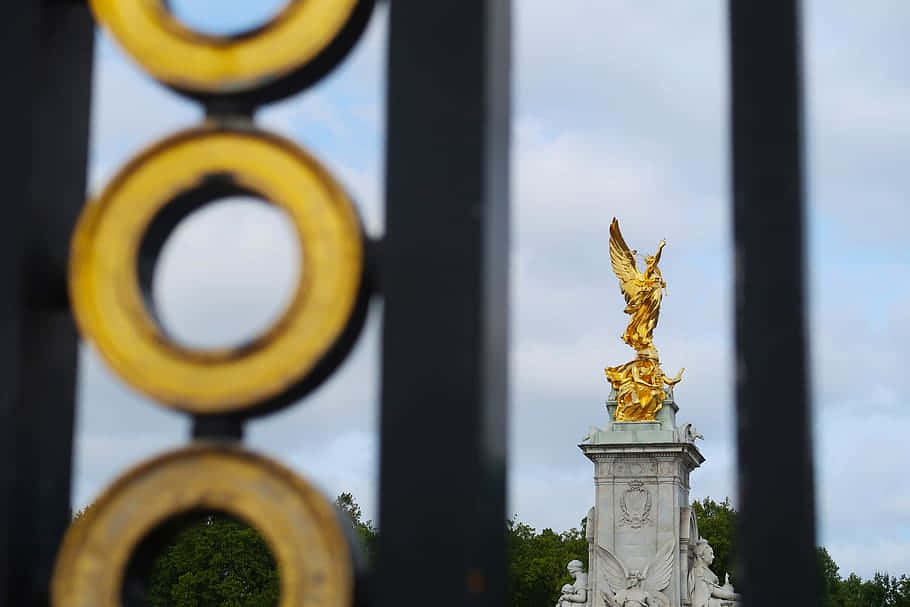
{"type": "Point", "coordinates": [675, 380]}
{"type": "Point", "coordinates": [719, 592]}
{"type": "Point", "coordinates": [660, 248]}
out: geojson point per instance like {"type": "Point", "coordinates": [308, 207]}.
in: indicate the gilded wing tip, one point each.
{"type": "Point", "coordinates": [615, 232]}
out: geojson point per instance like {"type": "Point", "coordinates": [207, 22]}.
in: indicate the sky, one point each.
{"type": "Point", "coordinates": [619, 109]}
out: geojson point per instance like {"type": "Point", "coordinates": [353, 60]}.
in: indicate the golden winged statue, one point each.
{"type": "Point", "coordinates": [639, 383]}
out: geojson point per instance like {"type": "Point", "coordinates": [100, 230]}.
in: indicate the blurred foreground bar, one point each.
{"type": "Point", "coordinates": [47, 51]}
{"type": "Point", "coordinates": [445, 287]}
{"type": "Point", "coordinates": [776, 490]}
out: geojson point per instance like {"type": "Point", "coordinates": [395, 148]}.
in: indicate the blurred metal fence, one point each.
{"type": "Point", "coordinates": [442, 272]}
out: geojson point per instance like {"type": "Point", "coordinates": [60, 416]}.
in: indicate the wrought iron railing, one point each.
{"type": "Point", "coordinates": [441, 270]}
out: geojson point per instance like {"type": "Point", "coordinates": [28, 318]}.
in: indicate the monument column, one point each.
{"type": "Point", "coordinates": [641, 511]}
{"type": "Point", "coordinates": [643, 540]}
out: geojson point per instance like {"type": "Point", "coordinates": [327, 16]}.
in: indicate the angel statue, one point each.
{"type": "Point", "coordinates": [575, 594]}
{"type": "Point", "coordinates": [639, 384]}
{"type": "Point", "coordinates": [704, 587]}
{"type": "Point", "coordinates": [623, 588]}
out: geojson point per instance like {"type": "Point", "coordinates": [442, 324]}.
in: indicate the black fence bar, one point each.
{"type": "Point", "coordinates": [777, 530]}
{"type": "Point", "coordinates": [47, 47]}
{"type": "Point", "coordinates": [445, 286]}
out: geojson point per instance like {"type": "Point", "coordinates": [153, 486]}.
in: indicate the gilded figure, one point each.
{"type": "Point", "coordinates": [639, 383]}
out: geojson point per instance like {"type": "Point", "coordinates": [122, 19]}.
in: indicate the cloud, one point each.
{"type": "Point", "coordinates": [858, 100]}
{"type": "Point", "coordinates": [597, 135]}
{"type": "Point", "coordinates": [228, 298]}
{"type": "Point", "coordinates": [101, 458]}
{"type": "Point", "coordinates": [115, 428]}
{"type": "Point", "coordinates": [863, 501]}
{"type": "Point", "coordinates": [594, 135]}
{"type": "Point", "coordinates": [346, 462]}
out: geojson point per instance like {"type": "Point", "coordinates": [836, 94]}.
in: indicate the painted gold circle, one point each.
{"type": "Point", "coordinates": [107, 298]}
{"type": "Point", "coordinates": [202, 63]}
{"type": "Point", "coordinates": [298, 524]}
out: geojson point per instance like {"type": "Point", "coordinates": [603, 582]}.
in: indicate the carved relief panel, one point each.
{"type": "Point", "coordinates": [635, 505]}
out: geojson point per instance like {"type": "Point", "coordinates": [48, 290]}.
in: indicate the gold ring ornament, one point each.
{"type": "Point", "coordinates": [120, 232]}
{"type": "Point", "coordinates": [306, 36]}
{"type": "Point", "coordinates": [299, 525]}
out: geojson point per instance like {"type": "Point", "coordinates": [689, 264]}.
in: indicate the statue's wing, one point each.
{"type": "Point", "coordinates": [610, 570]}
{"type": "Point", "coordinates": [690, 582]}
{"type": "Point", "coordinates": [623, 261]}
{"type": "Point", "coordinates": [660, 570]}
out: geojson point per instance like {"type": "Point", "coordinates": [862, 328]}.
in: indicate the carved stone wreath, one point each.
{"type": "Point", "coordinates": [635, 505]}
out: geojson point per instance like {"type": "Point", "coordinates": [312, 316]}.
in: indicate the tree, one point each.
{"type": "Point", "coordinates": [211, 560]}
{"type": "Point", "coordinates": [214, 560]}
{"type": "Point", "coordinates": [877, 590]}
{"type": "Point", "coordinates": [850, 592]}
{"type": "Point", "coordinates": [365, 532]}
{"type": "Point", "coordinates": [537, 562]}
{"type": "Point", "coordinates": [903, 591]}
{"type": "Point", "coordinates": [884, 590]}
{"type": "Point", "coordinates": [717, 524]}
{"type": "Point", "coordinates": [829, 580]}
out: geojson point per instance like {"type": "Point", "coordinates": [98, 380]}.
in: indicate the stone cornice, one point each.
{"type": "Point", "coordinates": [615, 451]}
{"type": "Point", "coordinates": [611, 480]}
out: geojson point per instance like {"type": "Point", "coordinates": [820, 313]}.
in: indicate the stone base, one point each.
{"type": "Point", "coordinates": [662, 429]}
{"type": "Point", "coordinates": [634, 432]}
{"type": "Point", "coordinates": [641, 506]}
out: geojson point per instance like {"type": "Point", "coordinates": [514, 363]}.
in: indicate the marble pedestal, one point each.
{"type": "Point", "coordinates": [641, 506]}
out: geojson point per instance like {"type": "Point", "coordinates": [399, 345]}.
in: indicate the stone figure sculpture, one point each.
{"type": "Point", "coordinates": [624, 588]}
{"type": "Point", "coordinates": [689, 434]}
{"type": "Point", "coordinates": [639, 384]}
{"type": "Point", "coordinates": [592, 433]}
{"type": "Point", "coordinates": [577, 593]}
{"type": "Point", "coordinates": [704, 589]}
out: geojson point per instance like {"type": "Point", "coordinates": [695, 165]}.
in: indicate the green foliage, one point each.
{"type": "Point", "coordinates": [717, 524]}
{"type": "Point", "coordinates": [829, 580]}
{"type": "Point", "coordinates": [537, 562]}
{"type": "Point", "coordinates": [850, 592]}
{"type": "Point", "coordinates": [364, 530]}
{"type": "Point", "coordinates": [882, 590]}
{"type": "Point", "coordinates": [213, 560]}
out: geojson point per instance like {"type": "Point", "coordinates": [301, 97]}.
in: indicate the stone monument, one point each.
{"type": "Point", "coordinates": [644, 547]}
